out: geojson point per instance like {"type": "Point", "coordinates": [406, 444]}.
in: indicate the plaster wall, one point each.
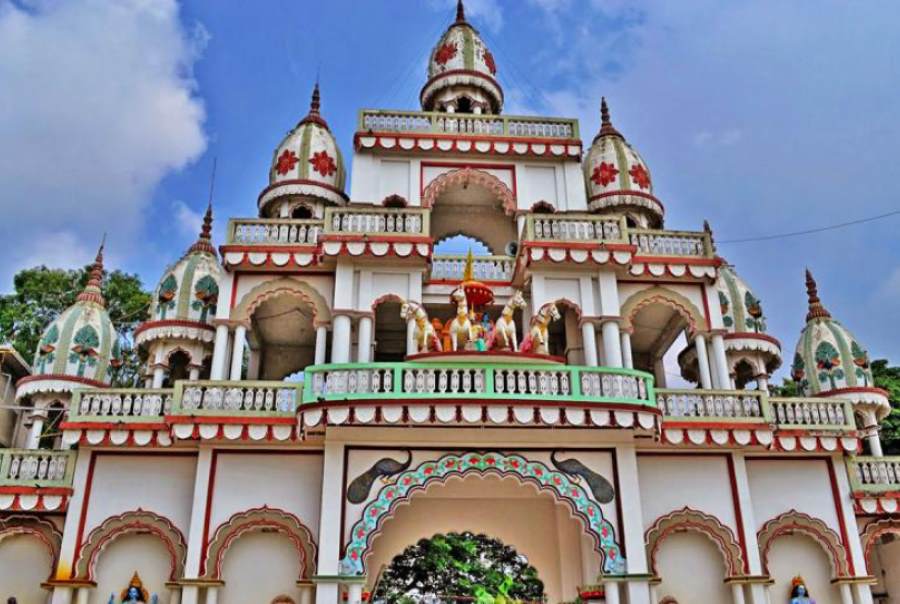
{"type": "Point", "coordinates": [691, 569]}
{"type": "Point", "coordinates": [778, 486]}
{"type": "Point", "coordinates": [24, 565]}
{"type": "Point", "coordinates": [394, 179]}
{"type": "Point", "coordinates": [375, 284]}
{"type": "Point", "coordinates": [693, 292]}
{"type": "Point", "coordinates": [246, 282]}
{"type": "Point", "coordinates": [291, 482]}
{"type": "Point", "coordinates": [671, 482]}
{"type": "Point", "coordinates": [162, 484]}
{"type": "Point", "coordinates": [799, 555]}
{"type": "Point", "coordinates": [886, 568]}
{"type": "Point", "coordinates": [259, 567]}
{"type": "Point", "coordinates": [116, 564]}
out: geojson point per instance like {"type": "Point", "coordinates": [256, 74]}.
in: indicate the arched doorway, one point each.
{"type": "Point", "coordinates": [881, 540]}
{"type": "Point", "coordinates": [29, 548]}
{"type": "Point", "coordinates": [141, 553]}
{"type": "Point", "coordinates": [390, 330]}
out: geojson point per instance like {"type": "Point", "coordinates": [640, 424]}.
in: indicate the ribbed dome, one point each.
{"type": "Point", "coordinates": [741, 310]}
{"type": "Point", "coordinates": [189, 289]}
{"type": "Point", "coordinates": [616, 176]}
{"type": "Point", "coordinates": [460, 66]}
{"type": "Point", "coordinates": [308, 162]}
{"type": "Point", "coordinates": [830, 361]}
{"type": "Point", "coordinates": [81, 342]}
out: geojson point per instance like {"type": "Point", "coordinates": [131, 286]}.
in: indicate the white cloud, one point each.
{"type": "Point", "coordinates": [99, 104]}
{"type": "Point", "coordinates": [187, 221]}
{"type": "Point", "coordinates": [61, 249]}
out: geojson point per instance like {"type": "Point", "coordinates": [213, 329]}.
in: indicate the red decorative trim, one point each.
{"type": "Point", "coordinates": [457, 138]}
{"type": "Point", "coordinates": [172, 323]}
{"type": "Point", "coordinates": [467, 354]}
{"type": "Point", "coordinates": [738, 516]}
{"type": "Point", "coordinates": [839, 510]}
{"type": "Point", "coordinates": [386, 298]}
{"type": "Point", "coordinates": [873, 532]}
{"type": "Point", "coordinates": [621, 193]}
{"type": "Point", "coordinates": [399, 238]}
{"type": "Point", "coordinates": [61, 377]}
{"type": "Point", "coordinates": [748, 335]}
{"type": "Point", "coordinates": [687, 519]}
{"type": "Point", "coordinates": [468, 72]}
{"type": "Point", "coordinates": [469, 176]}
{"type": "Point", "coordinates": [43, 530]}
{"type": "Point", "coordinates": [792, 522]}
{"type": "Point", "coordinates": [853, 389]}
{"type": "Point", "coordinates": [460, 165]}
{"type": "Point", "coordinates": [301, 181]}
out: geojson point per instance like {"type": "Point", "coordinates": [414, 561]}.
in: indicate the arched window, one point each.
{"type": "Point", "coordinates": [302, 212]}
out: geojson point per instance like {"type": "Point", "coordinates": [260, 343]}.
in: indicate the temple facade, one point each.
{"type": "Point", "coordinates": [330, 384]}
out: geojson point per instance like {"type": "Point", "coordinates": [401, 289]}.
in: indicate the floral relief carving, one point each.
{"type": "Point", "coordinates": [445, 53]}
{"type": "Point", "coordinates": [323, 163]}
{"type": "Point", "coordinates": [604, 174]}
{"type": "Point", "coordinates": [286, 162]}
{"type": "Point", "coordinates": [640, 176]}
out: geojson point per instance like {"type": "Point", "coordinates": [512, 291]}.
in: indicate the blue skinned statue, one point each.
{"type": "Point", "coordinates": [799, 592]}
{"type": "Point", "coordinates": [135, 593]}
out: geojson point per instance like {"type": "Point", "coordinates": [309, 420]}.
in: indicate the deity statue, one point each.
{"type": "Point", "coordinates": [799, 592]}
{"type": "Point", "coordinates": [135, 593]}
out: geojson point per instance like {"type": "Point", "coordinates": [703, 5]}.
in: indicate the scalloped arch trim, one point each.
{"type": "Point", "coordinates": [43, 530]}
{"type": "Point", "coordinates": [874, 531]}
{"type": "Point", "coordinates": [687, 519]}
{"type": "Point", "coordinates": [662, 295]}
{"type": "Point", "coordinates": [272, 289]}
{"type": "Point", "coordinates": [793, 522]}
{"type": "Point", "coordinates": [465, 177]}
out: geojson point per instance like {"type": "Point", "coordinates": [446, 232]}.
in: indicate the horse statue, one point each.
{"type": "Point", "coordinates": [537, 339]}
{"type": "Point", "coordinates": [503, 336]}
{"type": "Point", "coordinates": [424, 334]}
{"type": "Point", "coordinates": [461, 326]}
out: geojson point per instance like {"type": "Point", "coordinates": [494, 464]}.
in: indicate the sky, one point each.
{"type": "Point", "coordinates": [762, 117]}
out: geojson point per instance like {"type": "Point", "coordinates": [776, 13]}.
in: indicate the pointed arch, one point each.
{"type": "Point", "coordinates": [271, 289]}
{"type": "Point", "coordinates": [465, 177]}
{"type": "Point", "coordinates": [43, 530]}
{"type": "Point", "coordinates": [793, 522]}
{"type": "Point", "coordinates": [259, 519]}
{"type": "Point", "coordinates": [138, 521]}
{"type": "Point", "coordinates": [663, 295]}
{"type": "Point", "coordinates": [687, 519]}
{"type": "Point", "coordinates": [874, 531]}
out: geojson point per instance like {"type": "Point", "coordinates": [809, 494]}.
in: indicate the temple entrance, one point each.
{"type": "Point", "coordinates": [283, 336]}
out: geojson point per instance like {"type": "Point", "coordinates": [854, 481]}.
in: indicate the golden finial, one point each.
{"type": "Point", "coordinates": [469, 272]}
{"type": "Point", "coordinates": [816, 309]}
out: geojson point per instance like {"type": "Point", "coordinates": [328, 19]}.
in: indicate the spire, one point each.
{"type": "Point", "coordinates": [315, 104]}
{"type": "Point", "coordinates": [469, 271]}
{"type": "Point", "coordinates": [816, 310]}
{"type": "Point", "coordinates": [91, 292]}
{"type": "Point", "coordinates": [606, 127]}
{"type": "Point", "coordinates": [204, 241]}
{"type": "Point", "coordinates": [460, 12]}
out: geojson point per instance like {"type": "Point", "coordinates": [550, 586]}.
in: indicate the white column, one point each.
{"type": "Point", "coordinates": [748, 519]}
{"type": "Point", "coordinates": [589, 343]}
{"type": "Point", "coordinates": [718, 344]}
{"type": "Point", "coordinates": [737, 593]}
{"type": "Point", "coordinates": [194, 374]}
{"type": "Point", "coordinates": [762, 383]}
{"type": "Point", "coordinates": [306, 593]}
{"type": "Point", "coordinates": [863, 593]}
{"type": "Point", "coordinates": [81, 596]}
{"type": "Point", "coordinates": [659, 372]}
{"type": "Point", "coordinates": [844, 498]}
{"type": "Point", "coordinates": [253, 364]}
{"type": "Point", "coordinates": [846, 593]}
{"type": "Point", "coordinates": [340, 339]}
{"type": "Point", "coordinates": [321, 343]}
{"type": "Point", "coordinates": [627, 358]}
{"type": "Point", "coordinates": [219, 349]}
{"type": "Point", "coordinates": [198, 519]}
{"type": "Point", "coordinates": [212, 595]}
{"type": "Point", "coordinates": [354, 593]}
{"type": "Point", "coordinates": [61, 595]}
{"type": "Point", "coordinates": [159, 376]}
{"type": "Point", "coordinates": [175, 597]}
{"type": "Point", "coordinates": [37, 427]}
{"type": "Point", "coordinates": [703, 362]}
{"type": "Point", "coordinates": [874, 441]}
{"type": "Point", "coordinates": [632, 523]}
{"type": "Point", "coordinates": [411, 347]}
{"type": "Point", "coordinates": [364, 340]}
{"type": "Point", "coordinates": [611, 589]}
{"type": "Point", "coordinates": [612, 346]}
{"type": "Point", "coordinates": [66, 562]}
{"type": "Point", "coordinates": [330, 524]}
{"type": "Point", "coordinates": [237, 352]}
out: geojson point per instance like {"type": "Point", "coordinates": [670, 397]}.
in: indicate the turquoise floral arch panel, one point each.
{"type": "Point", "coordinates": [407, 483]}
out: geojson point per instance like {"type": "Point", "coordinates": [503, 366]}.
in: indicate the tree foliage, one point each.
{"type": "Point", "coordinates": [889, 378]}
{"type": "Point", "coordinates": [41, 294]}
{"type": "Point", "coordinates": [460, 565]}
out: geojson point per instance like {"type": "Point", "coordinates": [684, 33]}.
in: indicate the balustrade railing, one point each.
{"type": "Point", "coordinates": [874, 474]}
{"type": "Point", "coordinates": [712, 405]}
{"type": "Point", "coordinates": [248, 398]}
{"type": "Point", "coordinates": [425, 122]}
{"type": "Point", "coordinates": [273, 231]}
{"type": "Point", "coordinates": [36, 468]}
{"type": "Point", "coordinates": [120, 404]}
{"type": "Point", "coordinates": [574, 228]}
{"type": "Point", "coordinates": [472, 380]}
{"type": "Point", "coordinates": [822, 413]}
{"type": "Point", "coordinates": [450, 267]}
{"type": "Point", "coordinates": [671, 243]}
{"type": "Point", "coordinates": [377, 221]}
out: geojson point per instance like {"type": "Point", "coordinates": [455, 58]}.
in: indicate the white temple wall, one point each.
{"type": "Point", "coordinates": [126, 554]}
{"type": "Point", "coordinates": [781, 485]}
{"type": "Point", "coordinates": [259, 567]}
{"type": "Point", "coordinates": [161, 483]}
{"type": "Point", "coordinates": [692, 570]}
{"type": "Point", "coordinates": [245, 480]}
{"type": "Point", "coordinates": [799, 555]}
{"type": "Point", "coordinates": [246, 282]}
{"type": "Point", "coordinates": [886, 568]}
{"type": "Point", "coordinates": [376, 283]}
{"type": "Point", "coordinates": [25, 563]}
{"type": "Point", "coordinates": [693, 292]}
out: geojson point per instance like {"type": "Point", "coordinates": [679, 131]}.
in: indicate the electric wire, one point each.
{"type": "Point", "coordinates": [812, 231]}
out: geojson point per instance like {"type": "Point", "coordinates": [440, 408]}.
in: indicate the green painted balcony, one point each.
{"type": "Point", "coordinates": [503, 126]}
{"type": "Point", "coordinates": [36, 468]}
{"type": "Point", "coordinates": [874, 475]}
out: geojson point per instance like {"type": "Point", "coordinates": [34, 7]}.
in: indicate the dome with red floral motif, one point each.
{"type": "Point", "coordinates": [616, 176]}
{"type": "Point", "coordinates": [307, 163]}
{"type": "Point", "coordinates": [462, 72]}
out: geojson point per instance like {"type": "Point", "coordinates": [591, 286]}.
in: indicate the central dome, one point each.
{"type": "Point", "coordinates": [461, 72]}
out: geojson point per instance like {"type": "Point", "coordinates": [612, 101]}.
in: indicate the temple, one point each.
{"type": "Point", "coordinates": [336, 381]}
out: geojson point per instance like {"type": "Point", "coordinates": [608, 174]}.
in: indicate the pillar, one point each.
{"type": "Point", "coordinates": [81, 596]}
{"type": "Point", "coordinates": [212, 595]}
{"type": "Point", "coordinates": [194, 374]}
{"type": "Point", "coordinates": [159, 376]}
{"type": "Point", "coordinates": [66, 559]}
{"type": "Point", "coordinates": [756, 591]}
{"type": "Point", "coordinates": [354, 593]}
{"type": "Point", "coordinates": [721, 363]}
{"type": "Point", "coordinates": [874, 441]}
{"type": "Point", "coordinates": [762, 382]}
{"type": "Point", "coordinates": [737, 593]}
{"type": "Point", "coordinates": [321, 343]}
{"type": "Point", "coordinates": [612, 346]}
{"type": "Point", "coordinates": [253, 364]}
{"type": "Point", "coordinates": [61, 595]}
{"type": "Point", "coordinates": [237, 352]}
{"type": "Point", "coordinates": [340, 340]}
{"type": "Point", "coordinates": [306, 592]}
{"type": "Point", "coordinates": [199, 502]}
{"type": "Point", "coordinates": [632, 524]}
{"type": "Point", "coordinates": [863, 593]}
{"type": "Point", "coordinates": [611, 589]}
{"type": "Point", "coordinates": [364, 340]}
{"type": "Point", "coordinates": [330, 525]}
{"type": "Point", "coordinates": [703, 362]}
{"type": "Point", "coordinates": [627, 358]}
{"type": "Point", "coordinates": [175, 597]}
{"type": "Point", "coordinates": [37, 428]}
{"type": "Point", "coordinates": [220, 347]}
{"type": "Point", "coordinates": [659, 372]}
{"type": "Point", "coordinates": [846, 593]}
{"type": "Point", "coordinates": [411, 346]}
{"type": "Point", "coordinates": [589, 343]}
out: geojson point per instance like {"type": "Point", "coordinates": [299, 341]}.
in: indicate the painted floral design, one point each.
{"type": "Point", "coordinates": [401, 486]}
{"type": "Point", "coordinates": [604, 174]}
{"type": "Point", "coordinates": [47, 349]}
{"type": "Point", "coordinates": [828, 362]}
{"type": "Point", "coordinates": [489, 61]}
{"type": "Point", "coordinates": [116, 358]}
{"type": "Point", "coordinates": [798, 371]}
{"type": "Point", "coordinates": [640, 176]}
{"type": "Point", "coordinates": [84, 351]}
{"type": "Point", "coordinates": [446, 52]}
{"type": "Point", "coordinates": [725, 306]}
{"type": "Point", "coordinates": [286, 162]}
{"type": "Point", "coordinates": [206, 292]}
{"type": "Point", "coordinates": [165, 299]}
{"type": "Point", "coordinates": [323, 163]}
{"type": "Point", "coordinates": [861, 360]}
{"type": "Point", "coordinates": [755, 319]}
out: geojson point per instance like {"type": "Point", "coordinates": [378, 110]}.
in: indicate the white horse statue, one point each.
{"type": "Point", "coordinates": [537, 339]}
{"type": "Point", "coordinates": [503, 336]}
{"type": "Point", "coordinates": [425, 337]}
{"type": "Point", "coordinates": [461, 326]}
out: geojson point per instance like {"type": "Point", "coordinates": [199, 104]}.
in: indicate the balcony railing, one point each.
{"type": "Point", "coordinates": [132, 405]}
{"type": "Point", "coordinates": [242, 399]}
{"type": "Point", "coordinates": [273, 231]}
{"type": "Point", "coordinates": [874, 474]}
{"type": "Point", "coordinates": [712, 405]}
{"type": "Point", "coordinates": [574, 228]}
{"type": "Point", "coordinates": [395, 381]}
{"type": "Point", "coordinates": [671, 243]}
{"type": "Point", "coordinates": [813, 413]}
{"type": "Point", "coordinates": [450, 267]}
{"type": "Point", "coordinates": [377, 221]}
{"type": "Point", "coordinates": [424, 122]}
{"type": "Point", "coordinates": [36, 468]}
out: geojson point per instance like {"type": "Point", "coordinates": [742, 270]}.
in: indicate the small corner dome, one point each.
{"type": "Point", "coordinates": [462, 72]}
{"type": "Point", "coordinates": [81, 344]}
{"type": "Point", "coordinates": [308, 162]}
{"type": "Point", "coordinates": [830, 361]}
{"type": "Point", "coordinates": [744, 319]}
{"type": "Point", "coordinates": [617, 177]}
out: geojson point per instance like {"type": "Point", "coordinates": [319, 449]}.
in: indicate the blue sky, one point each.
{"type": "Point", "coordinates": [762, 117]}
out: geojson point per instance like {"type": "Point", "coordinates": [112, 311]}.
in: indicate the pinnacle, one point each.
{"type": "Point", "coordinates": [606, 127]}
{"type": "Point", "coordinates": [91, 292]}
{"type": "Point", "coordinates": [816, 309]}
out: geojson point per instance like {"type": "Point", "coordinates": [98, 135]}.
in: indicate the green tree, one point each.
{"type": "Point", "coordinates": [889, 378]}
{"type": "Point", "coordinates": [460, 565]}
{"type": "Point", "coordinates": [41, 294]}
